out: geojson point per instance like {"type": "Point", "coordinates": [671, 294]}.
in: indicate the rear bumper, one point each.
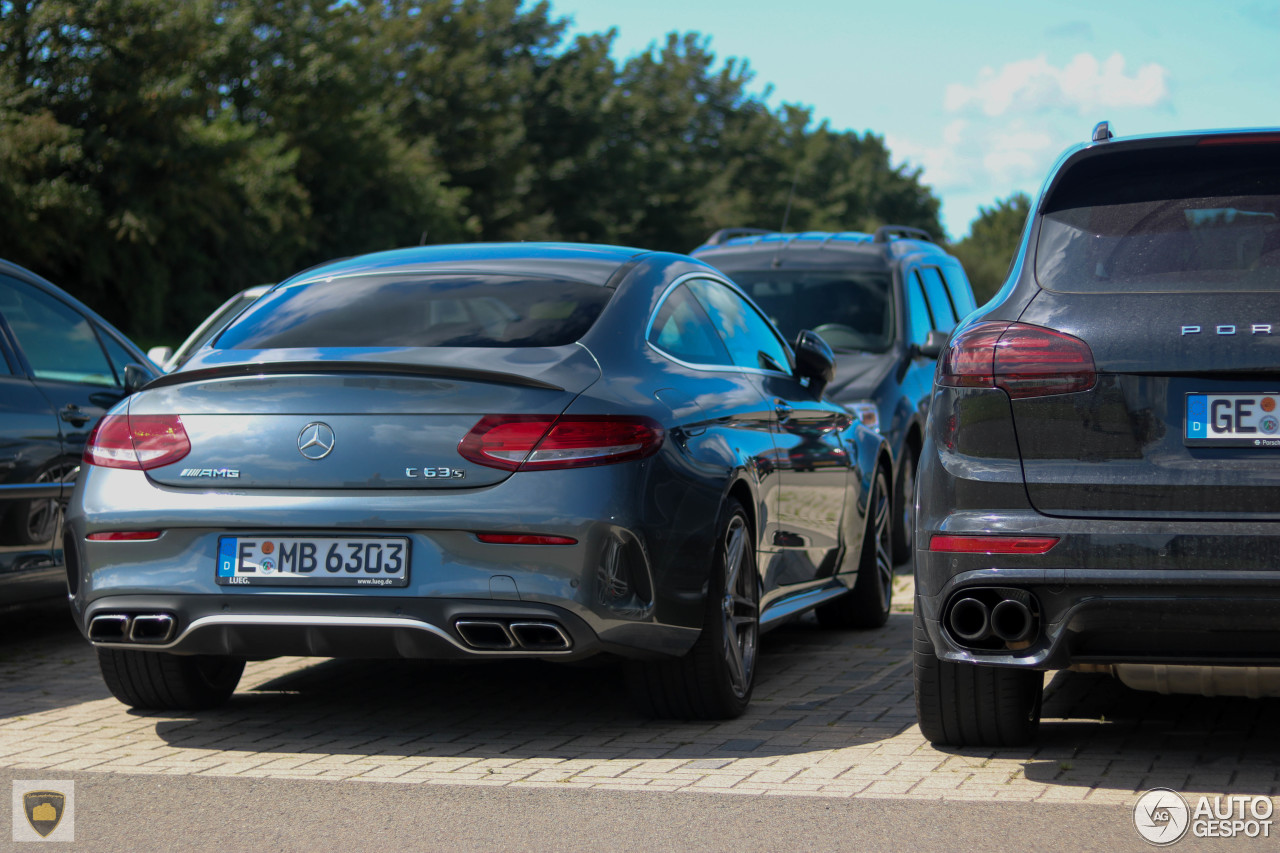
{"type": "Point", "coordinates": [272, 625]}
{"type": "Point", "coordinates": [1124, 616]}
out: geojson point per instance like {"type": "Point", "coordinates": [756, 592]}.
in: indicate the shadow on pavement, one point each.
{"type": "Point", "coordinates": [41, 639]}
{"type": "Point", "coordinates": [1099, 733]}
{"type": "Point", "coordinates": [814, 685]}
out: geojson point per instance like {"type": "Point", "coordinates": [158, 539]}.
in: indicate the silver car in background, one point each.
{"type": "Point", "coordinates": [467, 452]}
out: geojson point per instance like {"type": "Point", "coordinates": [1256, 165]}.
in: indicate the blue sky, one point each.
{"type": "Point", "coordinates": [983, 95]}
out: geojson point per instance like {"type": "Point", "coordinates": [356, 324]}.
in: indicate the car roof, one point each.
{"type": "Point", "coordinates": [877, 251]}
{"type": "Point", "coordinates": [588, 263]}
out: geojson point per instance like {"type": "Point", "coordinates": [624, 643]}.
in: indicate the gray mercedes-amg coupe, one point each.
{"type": "Point", "coordinates": [464, 452]}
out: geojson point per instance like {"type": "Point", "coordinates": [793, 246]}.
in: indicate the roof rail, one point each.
{"type": "Point", "coordinates": [886, 232]}
{"type": "Point", "coordinates": [724, 235]}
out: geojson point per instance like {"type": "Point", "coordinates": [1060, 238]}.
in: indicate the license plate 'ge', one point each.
{"type": "Point", "coordinates": [1233, 420]}
{"type": "Point", "coordinates": [313, 561]}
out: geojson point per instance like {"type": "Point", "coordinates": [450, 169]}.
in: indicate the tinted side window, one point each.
{"type": "Point", "coordinates": [944, 314]}
{"type": "Point", "coordinates": [750, 339]}
{"type": "Point", "coordinates": [683, 330]}
{"type": "Point", "coordinates": [118, 354]}
{"type": "Point", "coordinates": [961, 291]}
{"type": "Point", "coordinates": [59, 342]}
{"type": "Point", "coordinates": [918, 314]}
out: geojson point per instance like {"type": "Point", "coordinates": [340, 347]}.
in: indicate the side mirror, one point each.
{"type": "Point", "coordinates": [160, 355]}
{"type": "Point", "coordinates": [934, 344]}
{"type": "Point", "coordinates": [135, 376]}
{"type": "Point", "coordinates": [814, 361]}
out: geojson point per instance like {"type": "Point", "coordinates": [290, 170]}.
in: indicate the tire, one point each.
{"type": "Point", "coordinates": [969, 705]}
{"type": "Point", "coordinates": [867, 604]}
{"type": "Point", "coordinates": [904, 508]}
{"type": "Point", "coordinates": [157, 681]}
{"type": "Point", "coordinates": [715, 679]}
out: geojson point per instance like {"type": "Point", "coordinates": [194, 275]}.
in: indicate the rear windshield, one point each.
{"type": "Point", "coordinates": [1186, 219]}
{"type": "Point", "coordinates": [420, 311]}
{"type": "Point", "coordinates": [851, 310]}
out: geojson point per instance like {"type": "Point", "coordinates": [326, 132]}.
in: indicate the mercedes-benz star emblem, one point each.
{"type": "Point", "coordinates": [315, 441]}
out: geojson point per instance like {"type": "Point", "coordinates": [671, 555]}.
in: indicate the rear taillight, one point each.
{"type": "Point", "coordinates": [139, 442]}
{"type": "Point", "coordinates": [543, 442]}
{"type": "Point", "coordinates": [1024, 360]}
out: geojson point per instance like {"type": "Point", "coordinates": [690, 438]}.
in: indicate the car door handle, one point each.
{"type": "Point", "coordinates": [781, 409]}
{"type": "Point", "coordinates": [74, 415]}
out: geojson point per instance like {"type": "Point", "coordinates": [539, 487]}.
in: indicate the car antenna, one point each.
{"type": "Point", "coordinates": [422, 241]}
{"type": "Point", "coordinates": [786, 214]}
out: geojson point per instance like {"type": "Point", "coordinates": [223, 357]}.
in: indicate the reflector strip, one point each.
{"type": "Point", "coordinates": [524, 539]}
{"type": "Point", "coordinates": [992, 544]}
{"type": "Point", "coordinates": [124, 536]}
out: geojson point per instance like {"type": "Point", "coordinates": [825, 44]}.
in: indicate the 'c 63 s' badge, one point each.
{"type": "Point", "coordinates": [435, 473]}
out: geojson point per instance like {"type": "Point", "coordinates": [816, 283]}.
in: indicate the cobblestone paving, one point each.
{"type": "Point", "coordinates": [833, 715]}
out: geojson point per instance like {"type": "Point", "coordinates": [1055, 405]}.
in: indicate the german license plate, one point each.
{"type": "Point", "coordinates": [1233, 420]}
{"type": "Point", "coordinates": [313, 561]}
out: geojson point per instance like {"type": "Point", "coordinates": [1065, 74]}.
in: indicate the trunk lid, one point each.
{"type": "Point", "coordinates": [1121, 449]}
{"type": "Point", "coordinates": [354, 419]}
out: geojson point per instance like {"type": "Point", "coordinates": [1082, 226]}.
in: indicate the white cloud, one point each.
{"type": "Point", "coordinates": [1083, 84]}
{"type": "Point", "coordinates": [978, 162]}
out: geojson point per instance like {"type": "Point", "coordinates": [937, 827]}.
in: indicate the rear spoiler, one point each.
{"type": "Point", "coordinates": [277, 368]}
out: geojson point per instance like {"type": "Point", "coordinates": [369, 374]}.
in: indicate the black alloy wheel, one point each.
{"type": "Point", "coordinates": [867, 604]}
{"type": "Point", "coordinates": [715, 679]}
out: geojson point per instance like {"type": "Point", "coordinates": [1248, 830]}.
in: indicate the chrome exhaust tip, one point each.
{"type": "Point", "coordinates": [151, 628]}
{"type": "Point", "coordinates": [109, 628]}
{"type": "Point", "coordinates": [485, 634]}
{"type": "Point", "coordinates": [541, 636]}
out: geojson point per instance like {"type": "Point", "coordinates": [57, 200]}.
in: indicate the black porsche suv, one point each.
{"type": "Point", "coordinates": [1098, 484]}
{"type": "Point", "coordinates": [885, 302]}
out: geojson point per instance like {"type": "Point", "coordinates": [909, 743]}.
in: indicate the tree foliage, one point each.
{"type": "Point", "coordinates": [993, 238]}
{"type": "Point", "coordinates": [158, 155]}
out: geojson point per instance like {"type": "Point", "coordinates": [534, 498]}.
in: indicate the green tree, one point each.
{"type": "Point", "coordinates": [173, 200]}
{"type": "Point", "coordinates": [993, 238]}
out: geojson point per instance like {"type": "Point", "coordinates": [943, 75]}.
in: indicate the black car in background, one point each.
{"type": "Point", "coordinates": [1099, 482]}
{"type": "Point", "coordinates": [61, 367]}
{"type": "Point", "coordinates": [885, 302]}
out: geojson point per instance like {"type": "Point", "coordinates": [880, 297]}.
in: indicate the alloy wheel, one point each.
{"type": "Point", "coordinates": [740, 609]}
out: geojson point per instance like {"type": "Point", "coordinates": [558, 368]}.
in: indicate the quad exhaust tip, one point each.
{"type": "Point", "coordinates": [495, 635]}
{"type": "Point", "coordinates": [141, 628]}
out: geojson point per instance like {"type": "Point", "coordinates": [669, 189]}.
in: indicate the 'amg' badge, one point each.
{"type": "Point", "coordinates": [217, 473]}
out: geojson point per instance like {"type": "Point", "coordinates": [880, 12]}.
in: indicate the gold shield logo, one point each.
{"type": "Point", "coordinates": [44, 810]}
